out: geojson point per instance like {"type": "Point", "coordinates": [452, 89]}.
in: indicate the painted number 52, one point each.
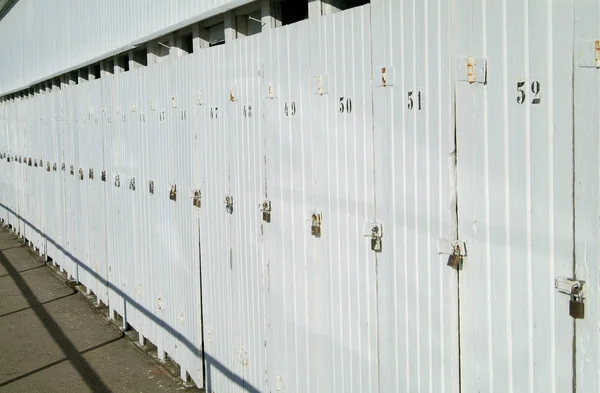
{"type": "Point", "coordinates": [536, 89]}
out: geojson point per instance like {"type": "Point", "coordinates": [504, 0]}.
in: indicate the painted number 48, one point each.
{"type": "Point", "coordinates": [536, 89]}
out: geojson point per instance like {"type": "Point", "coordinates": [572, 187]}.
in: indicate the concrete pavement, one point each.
{"type": "Point", "coordinates": [53, 340]}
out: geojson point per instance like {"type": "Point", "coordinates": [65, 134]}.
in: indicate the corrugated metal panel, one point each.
{"type": "Point", "coordinates": [514, 154]}
{"type": "Point", "coordinates": [82, 32]}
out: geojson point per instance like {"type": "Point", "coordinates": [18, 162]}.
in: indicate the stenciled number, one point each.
{"type": "Point", "coordinates": [411, 103]}
{"type": "Point", "coordinates": [345, 105]}
{"type": "Point", "coordinates": [289, 109]}
{"type": "Point", "coordinates": [536, 89]}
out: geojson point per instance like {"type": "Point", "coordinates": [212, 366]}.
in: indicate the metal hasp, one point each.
{"type": "Point", "coordinates": [91, 174]}
{"type": "Point", "coordinates": [266, 211]}
{"type": "Point", "coordinates": [80, 173]}
{"type": "Point", "coordinates": [575, 289]}
{"type": "Point", "coordinates": [47, 167]}
{"type": "Point", "coordinates": [315, 224]}
{"type": "Point", "coordinates": [151, 187]}
{"type": "Point", "coordinates": [29, 161]}
{"type": "Point", "coordinates": [456, 251]}
{"type": "Point", "coordinates": [54, 167]}
{"type": "Point", "coordinates": [471, 69]}
{"type": "Point", "coordinates": [197, 198]}
{"type": "Point", "coordinates": [229, 204]}
{"type": "Point", "coordinates": [103, 176]}
{"type": "Point", "coordinates": [376, 235]}
{"type": "Point", "coordinates": [173, 192]}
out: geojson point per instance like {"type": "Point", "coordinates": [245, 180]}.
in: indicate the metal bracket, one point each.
{"type": "Point", "coordinates": [450, 247]}
{"type": "Point", "coordinates": [566, 285]}
{"type": "Point", "coordinates": [384, 76]}
{"type": "Point", "coordinates": [471, 69]}
{"type": "Point", "coordinates": [321, 84]}
{"type": "Point", "coordinates": [589, 54]}
{"type": "Point", "coordinates": [271, 90]}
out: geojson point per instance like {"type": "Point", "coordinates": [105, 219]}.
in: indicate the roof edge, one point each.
{"type": "Point", "coordinates": [6, 6]}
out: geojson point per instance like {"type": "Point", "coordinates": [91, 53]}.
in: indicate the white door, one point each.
{"type": "Point", "coordinates": [514, 182]}
{"type": "Point", "coordinates": [587, 171]}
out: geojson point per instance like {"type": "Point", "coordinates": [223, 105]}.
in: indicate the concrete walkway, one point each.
{"type": "Point", "coordinates": [52, 340]}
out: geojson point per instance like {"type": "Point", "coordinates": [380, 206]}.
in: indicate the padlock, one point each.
{"type": "Point", "coordinates": [103, 176]}
{"type": "Point", "coordinates": [151, 187]}
{"type": "Point", "coordinates": [35, 163]}
{"type": "Point", "coordinates": [173, 193]}
{"type": "Point", "coordinates": [229, 204]}
{"type": "Point", "coordinates": [376, 244]}
{"type": "Point", "coordinates": [376, 234]}
{"type": "Point", "coordinates": [29, 162]}
{"type": "Point", "coordinates": [72, 170]}
{"type": "Point", "coordinates": [54, 167]}
{"type": "Point", "coordinates": [315, 227]}
{"type": "Point", "coordinates": [454, 261]}
{"type": "Point", "coordinates": [196, 201]}
{"type": "Point", "coordinates": [80, 174]}
{"type": "Point", "coordinates": [266, 211]}
{"type": "Point", "coordinates": [576, 305]}
{"type": "Point", "coordinates": [48, 167]}
{"type": "Point", "coordinates": [91, 173]}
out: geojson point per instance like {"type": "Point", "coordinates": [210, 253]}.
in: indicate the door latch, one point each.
{"type": "Point", "coordinates": [103, 176]}
{"type": "Point", "coordinates": [575, 289]}
{"type": "Point", "coordinates": [91, 174]}
{"type": "Point", "coordinates": [151, 187]}
{"type": "Point", "coordinates": [173, 192]}
{"type": "Point", "coordinates": [80, 174]}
